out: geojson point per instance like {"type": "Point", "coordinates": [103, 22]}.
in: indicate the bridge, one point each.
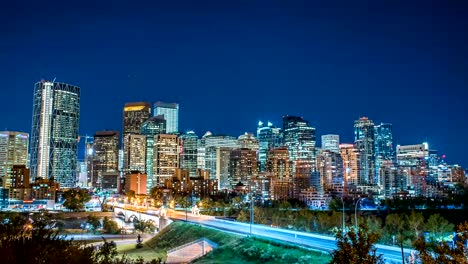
{"type": "Point", "coordinates": [129, 215]}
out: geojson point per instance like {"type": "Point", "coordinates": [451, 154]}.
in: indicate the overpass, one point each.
{"type": "Point", "coordinates": [130, 214]}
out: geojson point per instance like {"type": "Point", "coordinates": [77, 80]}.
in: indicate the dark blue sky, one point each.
{"type": "Point", "coordinates": [232, 63]}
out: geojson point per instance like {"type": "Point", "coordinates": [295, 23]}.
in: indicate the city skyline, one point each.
{"type": "Point", "coordinates": [298, 65]}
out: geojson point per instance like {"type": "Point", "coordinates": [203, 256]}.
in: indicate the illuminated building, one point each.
{"type": "Point", "coordinates": [134, 114]}
{"type": "Point", "coordinates": [392, 180]}
{"type": "Point", "coordinates": [330, 170]}
{"type": "Point", "coordinates": [89, 153]}
{"type": "Point", "coordinates": [351, 166]}
{"type": "Point", "coordinates": [365, 144]}
{"type": "Point", "coordinates": [243, 166]}
{"type": "Point", "coordinates": [189, 155]}
{"type": "Point", "coordinates": [54, 136]}
{"type": "Point", "coordinates": [279, 170]}
{"type": "Point", "coordinates": [248, 141]}
{"type": "Point", "coordinates": [166, 157]}
{"type": "Point", "coordinates": [383, 146]}
{"type": "Point", "coordinates": [269, 137]}
{"type": "Point", "coordinates": [170, 111]}
{"type": "Point", "coordinates": [331, 142]}
{"type": "Point", "coordinates": [105, 158]}
{"type": "Point", "coordinates": [13, 152]}
{"type": "Point", "coordinates": [212, 143]}
{"type": "Point", "coordinates": [223, 156]}
{"type": "Point", "coordinates": [136, 153]}
{"type": "Point", "coordinates": [150, 128]}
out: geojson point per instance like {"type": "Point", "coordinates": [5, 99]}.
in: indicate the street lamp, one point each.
{"type": "Point", "coordinates": [251, 212]}
{"type": "Point", "coordinates": [355, 212]}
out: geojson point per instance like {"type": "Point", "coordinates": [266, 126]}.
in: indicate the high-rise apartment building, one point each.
{"type": "Point", "coordinates": [13, 151]}
{"type": "Point", "coordinates": [383, 146]}
{"type": "Point", "coordinates": [212, 143]}
{"type": "Point", "coordinates": [150, 128]}
{"type": "Point", "coordinates": [189, 154]}
{"type": "Point", "coordinates": [54, 136]}
{"type": "Point", "coordinates": [351, 165]}
{"type": "Point", "coordinates": [166, 157]}
{"type": "Point", "coordinates": [222, 176]}
{"type": "Point", "coordinates": [243, 166]}
{"type": "Point", "coordinates": [170, 111]}
{"type": "Point", "coordinates": [269, 137]}
{"type": "Point", "coordinates": [136, 153]}
{"type": "Point", "coordinates": [106, 157]}
{"type": "Point", "coordinates": [365, 143]}
{"type": "Point", "coordinates": [331, 142]}
{"type": "Point", "coordinates": [330, 170]}
{"type": "Point", "coordinates": [279, 170]}
{"type": "Point", "coordinates": [134, 114]}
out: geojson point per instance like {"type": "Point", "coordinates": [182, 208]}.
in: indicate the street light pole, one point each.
{"type": "Point", "coordinates": [251, 213]}
{"type": "Point", "coordinates": [355, 213]}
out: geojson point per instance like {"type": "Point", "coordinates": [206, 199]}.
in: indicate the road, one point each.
{"type": "Point", "coordinates": [318, 242]}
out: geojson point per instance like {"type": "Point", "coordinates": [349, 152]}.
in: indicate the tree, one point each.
{"type": "Point", "coordinates": [130, 195]}
{"type": "Point", "coordinates": [429, 253]}
{"type": "Point", "coordinates": [243, 216]}
{"type": "Point", "coordinates": [94, 222]}
{"type": "Point", "coordinates": [437, 227]}
{"type": "Point", "coordinates": [415, 223]}
{"type": "Point", "coordinates": [75, 199]}
{"type": "Point", "coordinates": [110, 226]}
{"type": "Point", "coordinates": [144, 226]}
{"type": "Point", "coordinates": [356, 247]}
{"type": "Point", "coordinates": [396, 225]}
{"type": "Point", "coordinates": [157, 194]}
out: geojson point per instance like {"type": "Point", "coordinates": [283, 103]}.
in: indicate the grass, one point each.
{"type": "Point", "coordinates": [232, 248]}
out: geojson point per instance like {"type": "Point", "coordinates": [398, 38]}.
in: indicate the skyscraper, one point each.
{"type": "Point", "coordinates": [248, 141]}
{"type": "Point", "coordinates": [150, 128]}
{"type": "Point", "coordinates": [212, 143]}
{"type": "Point", "coordinates": [106, 156]}
{"type": "Point", "coordinates": [383, 146]}
{"type": "Point", "coordinates": [134, 114]}
{"type": "Point", "coordinates": [279, 170]}
{"type": "Point", "coordinates": [189, 154]}
{"type": "Point", "coordinates": [364, 141]}
{"type": "Point", "coordinates": [351, 166]}
{"type": "Point", "coordinates": [170, 111]}
{"type": "Point", "coordinates": [330, 169]}
{"type": "Point", "coordinates": [166, 157]}
{"type": "Point", "coordinates": [242, 166]}
{"type": "Point", "coordinates": [54, 136]}
{"type": "Point", "coordinates": [13, 151]}
{"type": "Point", "coordinates": [331, 142]}
{"type": "Point", "coordinates": [269, 137]}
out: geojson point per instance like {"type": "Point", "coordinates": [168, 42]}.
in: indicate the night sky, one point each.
{"type": "Point", "coordinates": [231, 63]}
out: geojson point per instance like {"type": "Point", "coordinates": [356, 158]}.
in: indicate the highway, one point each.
{"type": "Point", "coordinates": [314, 241]}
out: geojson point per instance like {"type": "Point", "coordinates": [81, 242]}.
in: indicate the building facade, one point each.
{"type": "Point", "coordinates": [331, 142]}
{"type": "Point", "coordinates": [150, 128]}
{"type": "Point", "coordinates": [365, 144]}
{"type": "Point", "coordinates": [54, 135]}
{"type": "Point", "coordinates": [13, 152]}
{"type": "Point", "coordinates": [106, 157]}
{"type": "Point", "coordinates": [166, 156]}
{"type": "Point", "coordinates": [189, 154]}
{"type": "Point", "coordinates": [170, 111]}
{"type": "Point", "coordinates": [269, 137]}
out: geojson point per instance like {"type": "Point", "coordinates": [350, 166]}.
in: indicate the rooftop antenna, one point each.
{"type": "Point", "coordinates": [54, 79]}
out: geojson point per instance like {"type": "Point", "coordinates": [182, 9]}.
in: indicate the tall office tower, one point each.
{"type": "Point", "coordinates": [136, 153]}
{"type": "Point", "coordinates": [351, 165]}
{"type": "Point", "coordinates": [212, 143]}
{"type": "Point", "coordinates": [278, 169]}
{"type": "Point", "coordinates": [166, 157]}
{"type": "Point", "coordinates": [13, 151]}
{"type": "Point", "coordinates": [150, 128]}
{"type": "Point", "coordinates": [414, 162]}
{"type": "Point", "coordinates": [170, 111]}
{"type": "Point", "coordinates": [248, 141]}
{"type": "Point", "coordinates": [243, 166]}
{"type": "Point", "coordinates": [269, 137]}
{"type": "Point", "coordinates": [299, 137]}
{"type": "Point", "coordinates": [106, 157]}
{"type": "Point", "coordinates": [201, 151]}
{"type": "Point", "coordinates": [331, 142]}
{"type": "Point", "coordinates": [134, 114]}
{"type": "Point", "coordinates": [330, 170]}
{"type": "Point", "coordinates": [364, 141]}
{"type": "Point", "coordinates": [383, 146]}
{"type": "Point", "coordinates": [54, 136]}
{"type": "Point", "coordinates": [222, 176]}
{"type": "Point", "coordinates": [188, 156]}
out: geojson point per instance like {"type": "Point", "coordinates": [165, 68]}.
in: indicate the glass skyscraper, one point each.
{"type": "Point", "coordinates": [170, 111]}
{"type": "Point", "coordinates": [106, 156]}
{"type": "Point", "coordinates": [269, 137]}
{"type": "Point", "coordinates": [383, 147]}
{"type": "Point", "coordinates": [188, 156]}
{"type": "Point", "coordinates": [54, 135]}
{"type": "Point", "coordinates": [150, 128]}
{"type": "Point", "coordinates": [364, 141]}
